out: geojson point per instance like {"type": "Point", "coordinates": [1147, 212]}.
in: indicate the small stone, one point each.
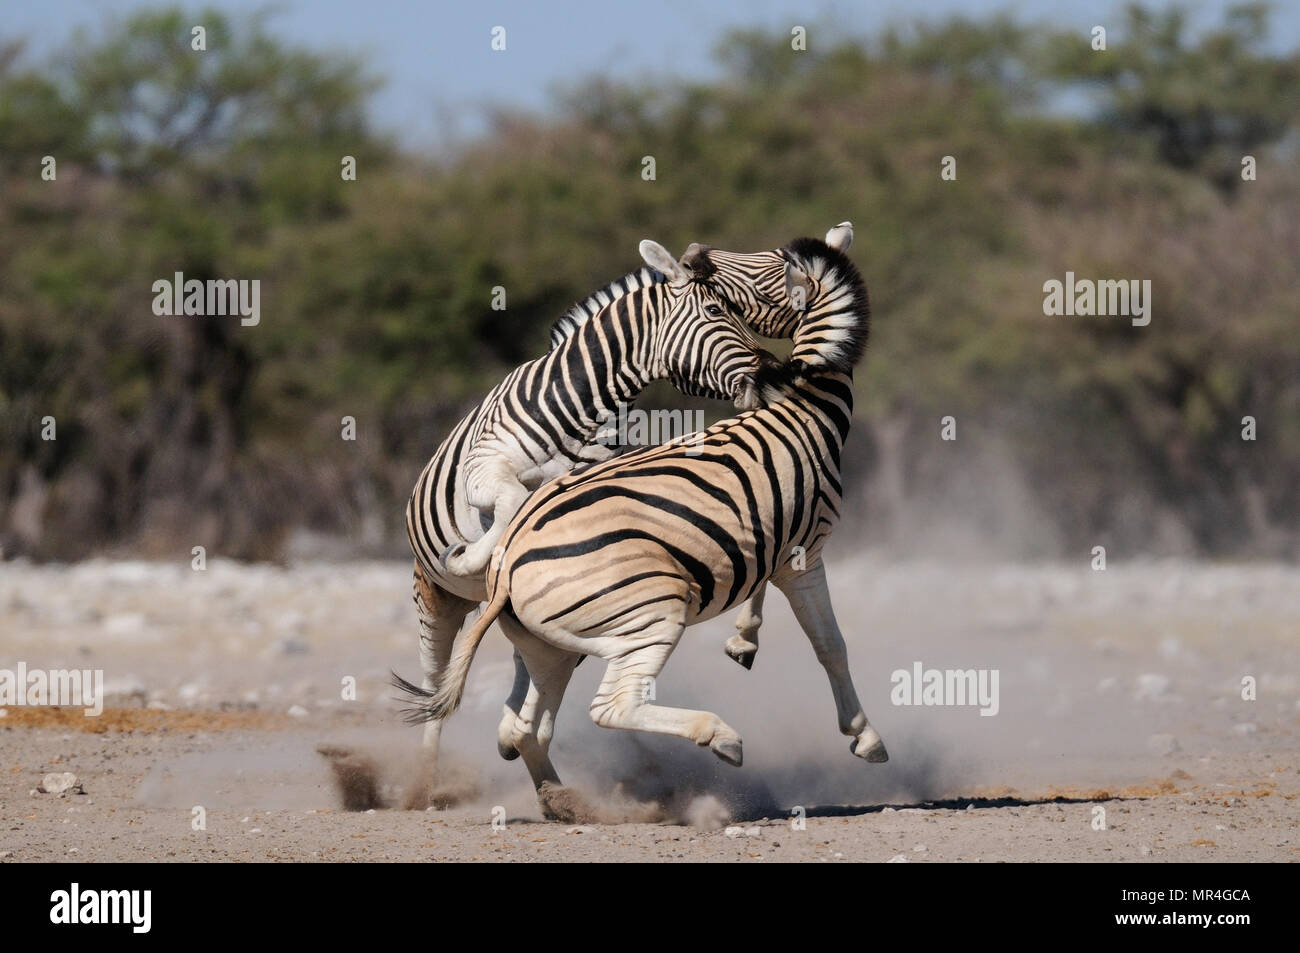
{"type": "Point", "coordinates": [1151, 686]}
{"type": "Point", "coordinates": [581, 829]}
{"type": "Point", "coordinates": [897, 859]}
{"type": "Point", "coordinates": [753, 831]}
{"type": "Point", "coordinates": [297, 711]}
{"type": "Point", "coordinates": [64, 783]}
{"type": "Point", "coordinates": [734, 831]}
{"type": "Point", "coordinates": [919, 849]}
{"type": "Point", "coordinates": [73, 850]}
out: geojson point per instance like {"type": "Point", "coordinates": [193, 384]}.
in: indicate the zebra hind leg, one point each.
{"type": "Point", "coordinates": [441, 614]}
{"type": "Point", "coordinates": [622, 701]}
{"type": "Point", "coordinates": [547, 670]}
{"type": "Point", "coordinates": [743, 646]}
{"type": "Point", "coordinates": [505, 730]}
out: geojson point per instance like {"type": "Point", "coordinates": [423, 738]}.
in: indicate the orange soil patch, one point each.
{"type": "Point", "coordinates": [1152, 788]}
{"type": "Point", "coordinates": [143, 720]}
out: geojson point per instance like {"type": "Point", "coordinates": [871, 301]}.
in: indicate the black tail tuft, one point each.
{"type": "Point", "coordinates": [418, 712]}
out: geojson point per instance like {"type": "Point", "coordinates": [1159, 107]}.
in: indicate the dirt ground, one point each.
{"type": "Point", "coordinates": [1119, 690]}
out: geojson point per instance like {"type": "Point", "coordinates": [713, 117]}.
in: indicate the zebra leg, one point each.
{"type": "Point", "coordinates": [743, 646]}
{"type": "Point", "coordinates": [505, 497]}
{"type": "Point", "coordinates": [441, 614]}
{"type": "Point", "coordinates": [548, 670]}
{"type": "Point", "coordinates": [622, 701]}
{"type": "Point", "coordinates": [811, 601]}
{"type": "Point", "coordinates": [505, 744]}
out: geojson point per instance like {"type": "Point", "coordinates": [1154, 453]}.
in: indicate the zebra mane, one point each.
{"type": "Point", "coordinates": [832, 334]}
{"type": "Point", "coordinates": [580, 313]}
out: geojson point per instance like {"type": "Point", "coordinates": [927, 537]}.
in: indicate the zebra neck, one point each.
{"type": "Point", "coordinates": [827, 398]}
{"type": "Point", "coordinates": [605, 363]}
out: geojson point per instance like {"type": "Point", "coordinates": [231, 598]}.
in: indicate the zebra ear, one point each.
{"type": "Point", "coordinates": [798, 286]}
{"type": "Point", "coordinates": [841, 236]}
{"type": "Point", "coordinates": [658, 258]}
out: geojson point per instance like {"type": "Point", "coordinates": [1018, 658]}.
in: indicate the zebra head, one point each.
{"type": "Point", "coordinates": [701, 346]}
{"type": "Point", "coordinates": [770, 289]}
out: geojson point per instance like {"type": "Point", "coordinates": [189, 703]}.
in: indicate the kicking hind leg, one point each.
{"type": "Point", "coordinates": [622, 701]}
{"type": "Point", "coordinates": [743, 646]}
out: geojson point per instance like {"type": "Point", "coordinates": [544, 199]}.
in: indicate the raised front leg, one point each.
{"type": "Point", "coordinates": [811, 601]}
{"type": "Point", "coordinates": [743, 646]}
{"type": "Point", "coordinates": [495, 489]}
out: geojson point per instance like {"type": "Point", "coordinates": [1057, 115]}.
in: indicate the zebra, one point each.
{"type": "Point", "coordinates": [617, 560]}
{"type": "Point", "coordinates": [662, 321]}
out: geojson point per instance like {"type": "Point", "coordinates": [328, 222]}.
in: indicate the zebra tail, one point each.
{"type": "Point", "coordinates": [445, 699]}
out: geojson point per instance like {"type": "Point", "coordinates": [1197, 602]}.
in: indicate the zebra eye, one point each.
{"type": "Point", "coordinates": [713, 310]}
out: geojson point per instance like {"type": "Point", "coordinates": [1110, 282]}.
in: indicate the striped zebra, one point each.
{"type": "Point", "coordinates": [664, 321]}
{"type": "Point", "coordinates": [616, 561]}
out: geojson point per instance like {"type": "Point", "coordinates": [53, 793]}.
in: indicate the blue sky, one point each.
{"type": "Point", "coordinates": [440, 70]}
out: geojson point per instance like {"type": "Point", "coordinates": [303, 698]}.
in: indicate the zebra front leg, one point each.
{"type": "Point", "coordinates": [743, 646]}
{"type": "Point", "coordinates": [500, 492]}
{"type": "Point", "coordinates": [441, 614]}
{"type": "Point", "coordinates": [811, 601]}
{"type": "Point", "coordinates": [622, 701]}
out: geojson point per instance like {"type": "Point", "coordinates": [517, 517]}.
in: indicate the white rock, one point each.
{"type": "Point", "coordinates": [1151, 686]}
{"type": "Point", "coordinates": [63, 783]}
{"type": "Point", "coordinates": [897, 859]}
{"type": "Point", "coordinates": [734, 831]}
{"type": "Point", "coordinates": [297, 711]}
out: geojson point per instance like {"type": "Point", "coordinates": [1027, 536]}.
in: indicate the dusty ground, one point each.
{"type": "Point", "coordinates": [1119, 689]}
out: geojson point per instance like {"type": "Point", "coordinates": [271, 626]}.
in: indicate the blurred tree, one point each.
{"type": "Point", "coordinates": [178, 431]}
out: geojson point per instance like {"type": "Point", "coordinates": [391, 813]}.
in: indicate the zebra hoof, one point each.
{"type": "Point", "coordinates": [741, 650]}
{"type": "Point", "coordinates": [508, 752]}
{"type": "Point", "coordinates": [869, 747]}
{"type": "Point", "coordinates": [729, 750]}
